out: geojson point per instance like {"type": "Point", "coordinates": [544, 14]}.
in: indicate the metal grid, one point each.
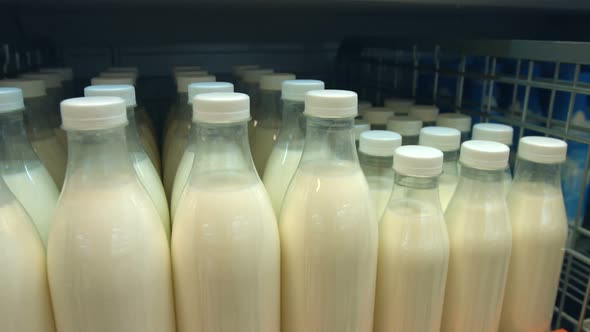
{"type": "Point", "coordinates": [466, 77]}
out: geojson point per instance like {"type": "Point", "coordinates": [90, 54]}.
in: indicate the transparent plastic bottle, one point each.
{"type": "Point", "coordinates": [447, 140]}
{"type": "Point", "coordinates": [25, 304]}
{"type": "Point", "coordinates": [145, 170]}
{"type": "Point", "coordinates": [539, 234]}
{"type": "Point", "coordinates": [23, 172]}
{"type": "Point", "coordinates": [176, 136]}
{"type": "Point", "coordinates": [400, 106]}
{"type": "Point", "coordinates": [287, 151]}
{"type": "Point", "coordinates": [146, 133]}
{"type": "Point", "coordinates": [408, 127]}
{"type": "Point", "coordinates": [186, 162]}
{"type": "Point", "coordinates": [413, 246]}
{"type": "Point", "coordinates": [378, 117]}
{"type": "Point", "coordinates": [328, 227]}
{"type": "Point", "coordinates": [251, 86]}
{"type": "Point", "coordinates": [108, 256]}
{"type": "Point", "coordinates": [376, 158]}
{"type": "Point", "coordinates": [38, 125]}
{"type": "Point", "coordinates": [481, 240]}
{"type": "Point", "coordinates": [502, 134]}
{"type": "Point", "coordinates": [426, 113]}
{"type": "Point", "coordinates": [360, 126]}
{"type": "Point", "coordinates": [225, 241]}
{"type": "Point", "coordinates": [458, 121]}
{"type": "Point", "coordinates": [269, 118]}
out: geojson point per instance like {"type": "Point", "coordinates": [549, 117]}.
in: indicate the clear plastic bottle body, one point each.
{"type": "Point", "coordinates": [328, 236]}
{"type": "Point", "coordinates": [225, 242]}
{"type": "Point", "coordinates": [146, 172]}
{"type": "Point", "coordinates": [450, 177]}
{"type": "Point", "coordinates": [267, 128]}
{"type": "Point", "coordinates": [410, 139]}
{"type": "Point", "coordinates": [178, 137]}
{"type": "Point", "coordinates": [25, 304]}
{"type": "Point", "coordinates": [286, 154]}
{"type": "Point", "coordinates": [380, 177]}
{"type": "Point", "coordinates": [25, 175]}
{"type": "Point", "coordinates": [539, 233]}
{"type": "Point", "coordinates": [480, 240]}
{"type": "Point", "coordinates": [42, 137]}
{"type": "Point", "coordinates": [413, 258]}
{"type": "Point", "coordinates": [108, 255]}
{"type": "Point", "coordinates": [253, 91]}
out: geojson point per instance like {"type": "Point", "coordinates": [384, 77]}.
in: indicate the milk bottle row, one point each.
{"type": "Point", "coordinates": [311, 255]}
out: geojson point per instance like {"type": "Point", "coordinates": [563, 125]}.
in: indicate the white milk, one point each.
{"type": "Point", "coordinates": [25, 304]}
{"type": "Point", "coordinates": [262, 146]}
{"type": "Point", "coordinates": [148, 176]}
{"type": "Point", "coordinates": [37, 193]}
{"type": "Point", "coordinates": [380, 190]}
{"type": "Point", "coordinates": [280, 168]}
{"type": "Point", "coordinates": [413, 258]}
{"type": "Point", "coordinates": [328, 249]}
{"type": "Point", "coordinates": [182, 175]}
{"type": "Point", "coordinates": [225, 251]}
{"type": "Point", "coordinates": [446, 189]}
{"type": "Point", "coordinates": [481, 240]}
{"type": "Point", "coordinates": [53, 156]}
{"type": "Point", "coordinates": [539, 237]}
{"type": "Point", "coordinates": [109, 263]}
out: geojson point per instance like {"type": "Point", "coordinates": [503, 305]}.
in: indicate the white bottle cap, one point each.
{"type": "Point", "coordinates": [378, 115]}
{"type": "Point", "coordinates": [93, 113]}
{"type": "Point", "coordinates": [254, 75]}
{"type": "Point", "coordinates": [295, 90]}
{"type": "Point", "coordinates": [399, 105]}
{"type": "Point", "coordinates": [543, 150]}
{"type": "Point", "coordinates": [67, 74]}
{"type": "Point", "coordinates": [118, 74]}
{"type": "Point", "coordinates": [51, 80]}
{"type": "Point", "coordinates": [405, 125]}
{"type": "Point", "coordinates": [30, 88]}
{"type": "Point", "coordinates": [11, 99]}
{"type": "Point", "coordinates": [380, 143]}
{"type": "Point", "coordinates": [360, 126]}
{"type": "Point", "coordinates": [207, 87]}
{"type": "Point", "coordinates": [419, 161]}
{"type": "Point", "coordinates": [274, 82]}
{"type": "Point", "coordinates": [443, 138]}
{"type": "Point", "coordinates": [221, 107]}
{"type": "Point", "coordinates": [426, 113]}
{"type": "Point", "coordinates": [182, 82]}
{"type": "Point", "coordinates": [238, 70]}
{"type": "Point", "coordinates": [331, 104]}
{"type": "Point", "coordinates": [190, 73]}
{"type": "Point", "coordinates": [494, 132]}
{"type": "Point", "coordinates": [458, 121]}
{"type": "Point", "coordinates": [112, 81]}
{"type": "Point", "coordinates": [123, 69]}
{"type": "Point", "coordinates": [485, 155]}
{"type": "Point", "coordinates": [125, 92]}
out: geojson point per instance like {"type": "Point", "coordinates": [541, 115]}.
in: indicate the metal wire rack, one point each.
{"type": "Point", "coordinates": [538, 87]}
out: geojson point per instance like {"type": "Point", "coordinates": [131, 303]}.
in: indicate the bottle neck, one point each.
{"type": "Point", "coordinates": [97, 158]}
{"type": "Point", "coordinates": [293, 127]}
{"type": "Point", "coordinates": [423, 189]}
{"type": "Point", "coordinates": [450, 165]}
{"type": "Point", "coordinates": [14, 144]}
{"type": "Point", "coordinates": [477, 184]}
{"type": "Point", "coordinates": [269, 113]}
{"type": "Point", "coordinates": [37, 118]}
{"type": "Point", "coordinates": [221, 148]}
{"type": "Point", "coordinates": [329, 140]}
{"type": "Point", "coordinates": [375, 161]}
{"type": "Point", "coordinates": [538, 173]}
{"type": "Point", "coordinates": [133, 142]}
